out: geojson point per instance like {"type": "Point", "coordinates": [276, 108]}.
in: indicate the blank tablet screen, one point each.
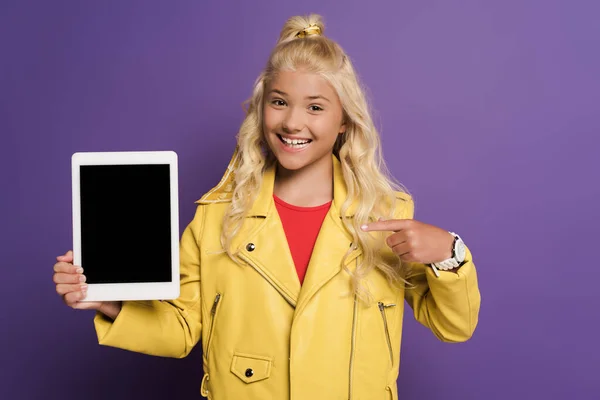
{"type": "Point", "coordinates": [125, 223]}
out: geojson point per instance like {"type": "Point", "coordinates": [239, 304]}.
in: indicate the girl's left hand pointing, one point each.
{"type": "Point", "coordinates": [415, 241]}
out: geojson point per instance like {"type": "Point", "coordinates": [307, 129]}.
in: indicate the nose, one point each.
{"type": "Point", "coordinates": [293, 122]}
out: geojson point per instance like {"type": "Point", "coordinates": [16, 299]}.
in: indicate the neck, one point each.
{"type": "Point", "coordinates": [310, 186]}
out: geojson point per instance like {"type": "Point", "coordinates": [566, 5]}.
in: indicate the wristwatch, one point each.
{"type": "Point", "coordinates": [459, 252]}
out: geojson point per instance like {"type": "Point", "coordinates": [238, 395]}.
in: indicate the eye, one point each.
{"type": "Point", "coordinates": [278, 103]}
{"type": "Point", "coordinates": [315, 108]}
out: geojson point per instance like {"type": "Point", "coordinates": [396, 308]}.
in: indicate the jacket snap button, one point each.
{"type": "Point", "coordinates": [249, 372]}
{"type": "Point", "coordinates": [250, 247]}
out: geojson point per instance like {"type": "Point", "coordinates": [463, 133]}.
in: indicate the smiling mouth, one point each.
{"type": "Point", "coordinates": [294, 143]}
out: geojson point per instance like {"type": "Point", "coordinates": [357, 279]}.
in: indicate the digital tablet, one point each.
{"type": "Point", "coordinates": [126, 224]}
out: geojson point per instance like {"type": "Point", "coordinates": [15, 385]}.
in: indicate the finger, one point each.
{"type": "Point", "coordinates": [86, 305]}
{"type": "Point", "coordinates": [67, 268]}
{"type": "Point", "coordinates": [397, 238]}
{"type": "Point", "coordinates": [67, 257]}
{"type": "Point", "coordinates": [394, 225]}
{"type": "Point", "coordinates": [403, 250]}
{"type": "Point", "coordinates": [73, 297]}
{"type": "Point", "coordinates": [68, 278]}
{"type": "Point", "coordinates": [64, 288]}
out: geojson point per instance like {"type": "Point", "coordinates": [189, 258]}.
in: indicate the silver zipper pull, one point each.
{"type": "Point", "coordinates": [214, 307]}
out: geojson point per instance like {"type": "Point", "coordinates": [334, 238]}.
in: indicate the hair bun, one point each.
{"type": "Point", "coordinates": [301, 27]}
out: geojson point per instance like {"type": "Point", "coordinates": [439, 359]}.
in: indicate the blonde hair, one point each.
{"type": "Point", "coordinates": [358, 149]}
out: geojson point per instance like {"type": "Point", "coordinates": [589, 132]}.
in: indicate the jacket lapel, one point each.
{"type": "Point", "coordinates": [263, 244]}
{"type": "Point", "coordinates": [333, 243]}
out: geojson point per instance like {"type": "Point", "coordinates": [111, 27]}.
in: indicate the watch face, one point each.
{"type": "Point", "coordinates": [460, 250]}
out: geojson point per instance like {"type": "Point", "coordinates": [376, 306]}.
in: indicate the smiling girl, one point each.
{"type": "Point", "coordinates": [296, 266]}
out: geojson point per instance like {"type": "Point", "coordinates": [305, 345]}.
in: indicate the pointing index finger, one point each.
{"type": "Point", "coordinates": [393, 225]}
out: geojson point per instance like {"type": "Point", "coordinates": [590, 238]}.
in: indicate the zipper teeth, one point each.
{"type": "Point", "coordinates": [382, 308]}
{"type": "Point", "coordinates": [285, 296]}
{"type": "Point", "coordinates": [352, 349]}
{"type": "Point", "coordinates": [213, 312]}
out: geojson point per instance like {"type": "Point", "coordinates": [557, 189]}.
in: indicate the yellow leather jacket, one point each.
{"type": "Point", "coordinates": [266, 337]}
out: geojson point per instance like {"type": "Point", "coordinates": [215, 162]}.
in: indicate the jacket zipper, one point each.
{"type": "Point", "coordinates": [285, 296]}
{"type": "Point", "coordinates": [382, 308]}
{"type": "Point", "coordinates": [213, 313]}
{"type": "Point", "coordinates": [352, 347]}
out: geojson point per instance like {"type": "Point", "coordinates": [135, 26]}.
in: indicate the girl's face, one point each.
{"type": "Point", "coordinates": [302, 119]}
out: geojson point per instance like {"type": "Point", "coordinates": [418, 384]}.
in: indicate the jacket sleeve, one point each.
{"type": "Point", "coordinates": [162, 328]}
{"type": "Point", "coordinates": [448, 305]}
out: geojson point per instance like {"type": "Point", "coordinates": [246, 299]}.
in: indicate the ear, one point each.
{"type": "Point", "coordinates": [342, 128]}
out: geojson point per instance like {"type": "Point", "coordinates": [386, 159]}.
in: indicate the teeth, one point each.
{"type": "Point", "coordinates": [294, 141]}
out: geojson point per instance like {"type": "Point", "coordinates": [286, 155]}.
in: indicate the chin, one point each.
{"type": "Point", "coordinates": [291, 163]}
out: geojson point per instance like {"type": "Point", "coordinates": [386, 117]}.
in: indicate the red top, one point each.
{"type": "Point", "coordinates": [301, 226]}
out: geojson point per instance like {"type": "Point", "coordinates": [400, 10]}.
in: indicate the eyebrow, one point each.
{"type": "Point", "coordinates": [315, 97]}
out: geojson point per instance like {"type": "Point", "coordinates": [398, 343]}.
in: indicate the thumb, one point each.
{"type": "Point", "coordinates": [87, 305]}
{"type": "Point", "coordinates": [68, 256]}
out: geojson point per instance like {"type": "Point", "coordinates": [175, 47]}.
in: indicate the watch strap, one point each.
{"type": "Point", "coordinates": [451, 262]}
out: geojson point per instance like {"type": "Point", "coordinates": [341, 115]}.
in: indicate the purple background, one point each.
{"type": "Point", "coordinates": [489, 115]}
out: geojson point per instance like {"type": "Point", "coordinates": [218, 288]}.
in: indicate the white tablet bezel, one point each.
{"type": "Point", "coordinates": [129, 291]}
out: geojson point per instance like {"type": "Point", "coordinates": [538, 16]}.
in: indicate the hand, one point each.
{"type": "Point", "coordinates": [415, 241]}
{"type": "Point", "coordinates": [71, 286]}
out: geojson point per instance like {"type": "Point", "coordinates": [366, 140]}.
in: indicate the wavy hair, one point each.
{"type": "Point", "coordinates": [366, 176]}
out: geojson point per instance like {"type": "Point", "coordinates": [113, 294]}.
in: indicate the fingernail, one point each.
{"type": "Point", "coordinates": [82, 278]}
{"type": "Point", "coordinates": [84, 288]}
{"type": "Point", "coordinates": [79, 270]}
{"type": "Point", "coordinates": [364, 227]}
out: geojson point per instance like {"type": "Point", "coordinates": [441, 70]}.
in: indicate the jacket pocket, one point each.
{"type": "Point", "coordinates": [382, 308]}
{"type": "Point", "coordinates": [250, 368]}
{"type": "Point", "coordinates": [213, 318]}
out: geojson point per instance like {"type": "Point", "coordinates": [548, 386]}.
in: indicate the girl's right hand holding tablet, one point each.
{"type": "Point", "coordinates": [71, 286]}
